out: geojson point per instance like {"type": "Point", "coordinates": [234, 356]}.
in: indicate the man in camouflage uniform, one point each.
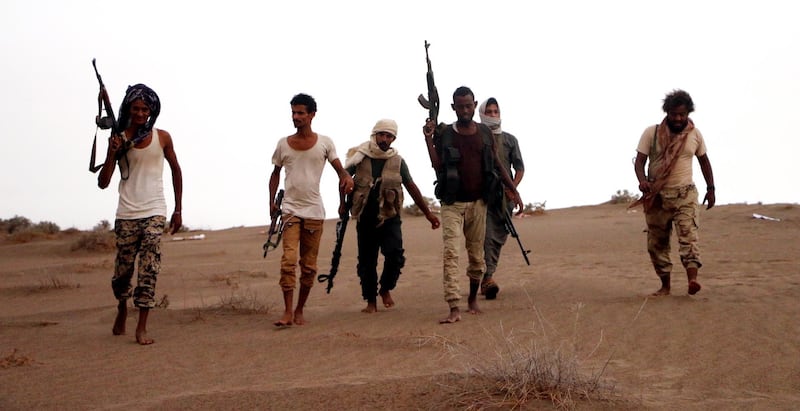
{"type": "Point", "coordinates": [669, 195]}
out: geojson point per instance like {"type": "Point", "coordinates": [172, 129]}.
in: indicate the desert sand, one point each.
{"type": "Point", "coordinates": [735, 345]}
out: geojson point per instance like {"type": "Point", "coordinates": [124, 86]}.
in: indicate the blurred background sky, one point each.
{"type": "Point", "coordinates": [577, 81]}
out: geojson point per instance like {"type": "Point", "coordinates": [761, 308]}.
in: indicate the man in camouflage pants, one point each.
{"type": "Point", "coordinates": [669, 195]}
{"type": "Point", "coordinates": [141, 212]}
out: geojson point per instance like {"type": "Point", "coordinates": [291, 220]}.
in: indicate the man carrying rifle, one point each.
{"type": "Point", "coordinates": [304, 155]}
{"type": "Point", "coordinates": [464, 157]}
{"type": "Point", "coordinates": [141, 211]}
{"type": "Point", "coordinates": [380, 174]}
{"type": "Point", "coordinates": [497, 210]}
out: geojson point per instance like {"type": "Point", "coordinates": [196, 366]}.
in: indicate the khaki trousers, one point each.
{"type": "Point", "coordinates": [469, 219]}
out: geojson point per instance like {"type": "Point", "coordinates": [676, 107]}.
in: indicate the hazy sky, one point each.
{"type": "Point", "coordinates": [577, 82]}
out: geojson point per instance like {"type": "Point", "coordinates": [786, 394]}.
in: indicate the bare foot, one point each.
{"type": "Point", "coordinates": [285, 321]}
{"type": "Point", "coordinates": [454, 317]}
{"type": "Point", "coordinates": [141, 338]}
{"type": "Point", "coordinates": [694, 287]}
{"type": "Point", "coordinates": [298, 318]}
{"type": "Point", "coordinates": [386, 296]}
{"type": "Point", "coordinates": [119, 322]}
{"type": "Point", "coordinates": [661, 292]}
{"type": "Point", "coordinates": [473, 306]}
{"type": "Point", "coordinates": [371, 308]}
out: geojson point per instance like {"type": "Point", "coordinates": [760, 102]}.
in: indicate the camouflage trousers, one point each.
{"type": "Point", "coordinates": [469, 219]}
{"type": "Point", "coordinates": [140, 237]}
{"type": "Point", "coordinates": [673, 207]}
{"type": "Point", "coordinates": [300, 240]}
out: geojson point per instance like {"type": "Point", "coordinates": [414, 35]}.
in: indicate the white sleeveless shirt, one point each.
{"type": "Point", "coordinates": [142, 194]}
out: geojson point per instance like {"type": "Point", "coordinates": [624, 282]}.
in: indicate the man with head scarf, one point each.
{"type": "Point", "coordinates": [496, 233]}
{"type": "Point", "coordinates": [669, 196]}
{"type": "Point", "coordinates": [141, 211]}
{"type": "Point", "coordinates": [379, 174]}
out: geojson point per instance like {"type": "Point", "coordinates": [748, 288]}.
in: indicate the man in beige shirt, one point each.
{"type": "Point", "coordinates": [669, 195]}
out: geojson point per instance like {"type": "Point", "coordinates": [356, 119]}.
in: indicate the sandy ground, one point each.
{"type": "Point", "coordinates": [735, 345]}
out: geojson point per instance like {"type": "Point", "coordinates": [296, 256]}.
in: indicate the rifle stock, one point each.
{"type": "Point", "coordinates": [513, 231]}
{"type": "Point", "coordinates": [104, 123]}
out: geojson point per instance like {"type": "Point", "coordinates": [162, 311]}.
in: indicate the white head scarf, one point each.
{"type": "Point", "coordinates": [370, 148]}
{"type": "Point", "coordinates": [492, 122]}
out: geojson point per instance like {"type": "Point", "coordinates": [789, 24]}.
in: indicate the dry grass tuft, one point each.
{"type": "Point", "coordinates": [95, 240]}
{"type": "Point", "coordinates": [56, 283]}
{"type": "Point", "coordinates": [517, 368]}
{"type": "Point", "coordinates": [14, 359]}
{"type": "Point", "coordinates": [245, 302]}
{"type": "Point", "coordinates": [518, 372]}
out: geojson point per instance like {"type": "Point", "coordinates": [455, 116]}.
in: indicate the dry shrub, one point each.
{"type": "Point", "coordinates": [519, 368]}
{"type": "Point", "coordinates": [15, 360]}
{"type": "Point", "coordinates": [22, 230]}
{"type": "Point", "coordinates": [56, 283]}
{"type": "Point", "coordinates": [623, 197]}
{"type": "Point", "coordinates": [95, 240]}
{"type": "Point", "coordinates": [245, 302]}
{"type": "Point", "coordinates": [14, 224]}
{"type": "Point", "coordinates": [25, 236]}
{"type": "Point", "coordinates": [534, 208]}
{"type": "Point", "coordinates": [414, 210]}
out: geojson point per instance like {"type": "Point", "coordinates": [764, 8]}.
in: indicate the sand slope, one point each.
{"type": "Point", "coordinates": [735, 345]}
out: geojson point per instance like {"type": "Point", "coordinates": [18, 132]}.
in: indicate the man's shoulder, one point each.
{"type": "Point", "coordinates": [510, 137]}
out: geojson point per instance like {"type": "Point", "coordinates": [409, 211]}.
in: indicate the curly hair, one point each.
{"type": "Point", "coordinates": [677, 98]}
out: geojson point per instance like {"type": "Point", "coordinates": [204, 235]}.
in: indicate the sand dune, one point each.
{"type": "Point", "coordinates": [735, 345]}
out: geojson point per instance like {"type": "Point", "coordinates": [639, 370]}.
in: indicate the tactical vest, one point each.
{"type": "Point", "coordinates": [448, 180]}
{"type": "Point", "coordinates": [390, 197]}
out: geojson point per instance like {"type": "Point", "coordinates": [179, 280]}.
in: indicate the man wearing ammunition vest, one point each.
{"type": "Point", "coordinates": [379, 174]}
{"type": "Point", "coordinates": [464, 157]}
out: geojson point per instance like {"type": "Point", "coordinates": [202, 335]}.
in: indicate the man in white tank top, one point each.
{"type": "Point", "coordinates": [140, 150]}
{"type": "Point", "coordinates": [303, 154]}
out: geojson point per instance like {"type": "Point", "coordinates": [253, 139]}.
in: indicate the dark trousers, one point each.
{"type": "Point", "coordinates": [388, 238]}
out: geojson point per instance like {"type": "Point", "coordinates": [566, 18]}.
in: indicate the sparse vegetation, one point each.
{"type": "Point", "coordinates": [245, 302]}
{"type": "Point", "coordinates": [21, 230]}
{"type": "Point", "coordinates": [415, 211]}
{"type": "Point", "coordinates": [56, 283]}
{"type": "Point", "coordinates": [534, 208]}
{"type": "Point", "coordinates": [520, 367]}
{"type": "Point", "coordinates": [623, 197]}
{"type": "Point", "coordinates": [14, 359]}
{"type": "Point", "coordinates": [101, 238]}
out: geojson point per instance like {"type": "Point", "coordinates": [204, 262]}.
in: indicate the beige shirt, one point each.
{"type": "Point", "coordinates": [303, 173]}
{"type": "Point", "coordinates": [682, 173]}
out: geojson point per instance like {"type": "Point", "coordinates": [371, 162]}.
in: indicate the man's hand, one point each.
{"type": "Point", "coordinates": [346, 184]}
{"type": "Point", "coordinates": [114, 144]}
{"type": "Point", "coordinates": [711, 198]}
{"type": "Point", "coordinates": [517, 202]}
{"type": "Point", "coordinates": [175, 223]}
{"type": "Point", "coordinates": [428, 128]}
{"type": "Point", "coordinates": [644, 186]}
{"type": "Point", "coordinates": [433, 220]}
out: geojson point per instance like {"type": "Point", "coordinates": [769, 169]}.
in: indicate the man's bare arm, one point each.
{"type": "Point", "coordinates": [708, 175]}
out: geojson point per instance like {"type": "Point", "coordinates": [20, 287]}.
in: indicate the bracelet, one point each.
{"type": "Point", "coordinates": [710, 188]}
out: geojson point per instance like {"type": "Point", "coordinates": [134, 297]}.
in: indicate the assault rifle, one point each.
{"type": "Point", "coordinates": [103, 123]}
{"type": "Point", "coordinates": [432, 102]}
{"type": "Point", "coordinates": [275, 226]}
{"type": "Point", "coordinates": [341, 227]}
{"type": "Point", "coordinates": [513, 231]}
